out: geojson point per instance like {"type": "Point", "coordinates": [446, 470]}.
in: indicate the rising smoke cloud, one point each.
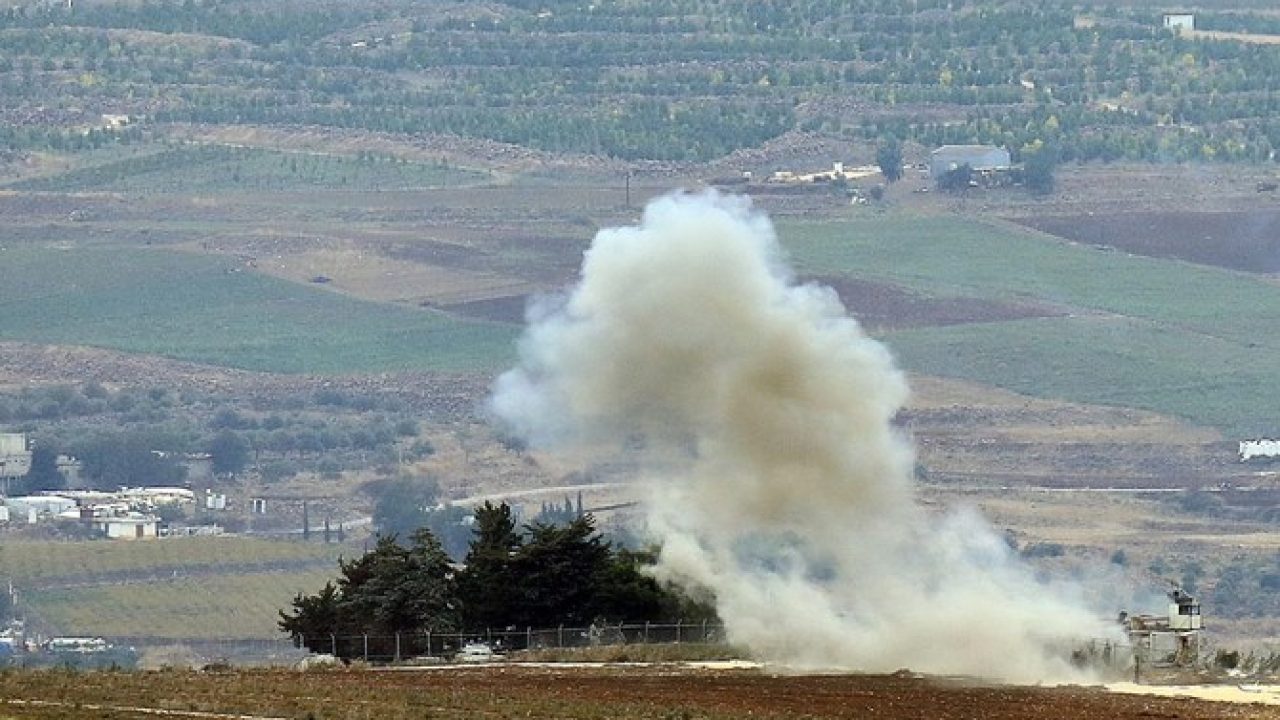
{"type": "Point", "coordinates": [778, 480]}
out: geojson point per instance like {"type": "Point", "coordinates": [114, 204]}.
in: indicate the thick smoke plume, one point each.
{"type": "Point", "coordinates": [778, 480]}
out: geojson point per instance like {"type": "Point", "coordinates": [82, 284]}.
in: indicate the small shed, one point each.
{"type": "Point", "coordinates": [133, 526]}
{"type": "Point", "coordinates": [982, 158]}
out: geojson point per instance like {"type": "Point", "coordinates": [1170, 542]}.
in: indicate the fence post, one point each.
{"type": "Point", "coordinates": [679, 629]}
{"type": "Point", "coordinates": [397, 646]}
{"type": "Point", "coordinates": [429, 641]}
{"type": "Point", "coordinates": [528, 637]}
{"type": "Point", "coordinates": [366, 647]}
{"type": "Point", "coordinates": [646, 632]}
{"type": "Point", "coordinates": [704, 631]}
{"type": "Point", "coordinates": [333, 644]}
{"type": "Point", "coordinates": [560, 636]}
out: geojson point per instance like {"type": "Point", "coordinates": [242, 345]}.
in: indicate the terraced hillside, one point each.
{"type": "Point", "coordinates": [683, 80]}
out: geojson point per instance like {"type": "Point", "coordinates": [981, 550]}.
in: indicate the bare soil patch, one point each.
{"type": "Point", "coordinates": [364, 271]}
{"type": "Point", "coordinates": [882, 306]}
{"type": "Point", "coordinates": [1248, 241]}
{"type": "Point", "coordinates": [509, 309]}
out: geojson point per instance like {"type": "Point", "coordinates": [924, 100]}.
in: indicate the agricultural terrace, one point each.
{"type": "Point", "coordinates": [212, 168]}
{"type": "Point", "coordinates": [213, 310]}
{"type": "Point", "coordinates": [675, 81]}
{"type": "Point", "coordinates": [1150, 333]}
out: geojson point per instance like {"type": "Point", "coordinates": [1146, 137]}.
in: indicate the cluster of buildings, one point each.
{"type": "Point", "coordinates": [989, 166]}
{"type": "Point", "coordinates": [129, 513]}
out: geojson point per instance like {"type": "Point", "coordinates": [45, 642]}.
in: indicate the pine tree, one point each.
{"type": "Point", "coordinates": [487, 587]}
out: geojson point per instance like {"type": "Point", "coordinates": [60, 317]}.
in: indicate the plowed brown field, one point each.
{"type": "Point", "coordinates": [1248, 240]}
{"type": "Point", "coordinates": [614, 692]}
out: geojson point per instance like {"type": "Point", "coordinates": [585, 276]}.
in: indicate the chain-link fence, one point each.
{"type": "Point", "coordinates": [424, 645]}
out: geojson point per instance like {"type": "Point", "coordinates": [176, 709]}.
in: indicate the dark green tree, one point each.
{"type": "Point", "coordinates": [625, 592]}
{"type": "Point", "coordinates": [392, 589]}
{"type": "Point", "coordinates": [558, 568]}
{"type": "Point", "coordinates": [229, 452]}
{"type": "Point", "coordinates": [488, 587]}
{"type": "Point", "coordinates": [402, 505]}
{"type": "Point", "coordinates": [956, 180]}
{"type": "Point", "coordinates": [43, 474]}
{"type": "Point", "coordinates": [112, 460]}
{"type": "Point", "coordinates": [1039, 161]}
{"type": "Point", "coordinates": [315, 618]}
{"type": "Point", "coordinates": [889, 158]}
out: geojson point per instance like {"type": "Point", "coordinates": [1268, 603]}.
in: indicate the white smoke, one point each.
{"type": "Point", "coordinates": [785, 489]}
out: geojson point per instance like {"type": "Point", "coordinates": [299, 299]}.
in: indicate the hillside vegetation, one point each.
{"type": "Point", "coordinates": [679, 80]}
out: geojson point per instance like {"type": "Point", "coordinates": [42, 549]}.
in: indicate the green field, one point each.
{"type": "Point", "coordinates": [24, 562]}
{"type": "Point", "coordinates": [1163, 335]}
{"type": "Point", "coordinates": [219, 587]}
{"type": "Point", "coordinates": [211, 168]}
{"type": "Point", "coordinates": [212, 310]}
{"type": "Point", "coordinates": [212, 607]}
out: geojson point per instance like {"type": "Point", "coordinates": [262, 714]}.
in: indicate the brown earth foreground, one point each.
{"type": "Point", "coordinates": [541, 692]}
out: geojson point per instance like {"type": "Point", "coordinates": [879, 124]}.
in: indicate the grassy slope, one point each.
{"type": "Point", "coordinates": [210, 310]}
{"type": "Point", "coordinates": [1192, 341]}
{"type": "Point", "coordinates": [221, 587]}
{"type": "Point", "coordinates": [211, 607]}
{"type": "Point", "coordinates": [23, 562]}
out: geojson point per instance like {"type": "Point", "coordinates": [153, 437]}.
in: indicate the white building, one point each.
{"type": "Point", "coordinates": [1264, 448]}
{"type": "Point", "coordinates": [134, 526]}
{"type": "Point", "coordinates": [981, 158]}
{"type": "Point", "coordinates": [39, 505]}
{"type": "Point", "coordinates": [153, 496]}
{"type": "Point", "coordinates": [1179, 22]}
{"type": "Point", "coordinates": [15, 458]}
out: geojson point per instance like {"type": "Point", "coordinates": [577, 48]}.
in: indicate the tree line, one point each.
{"type": "Point", "coordinates": [543, 575]}
{"type": "Point", "coordinates": [674, 80]}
